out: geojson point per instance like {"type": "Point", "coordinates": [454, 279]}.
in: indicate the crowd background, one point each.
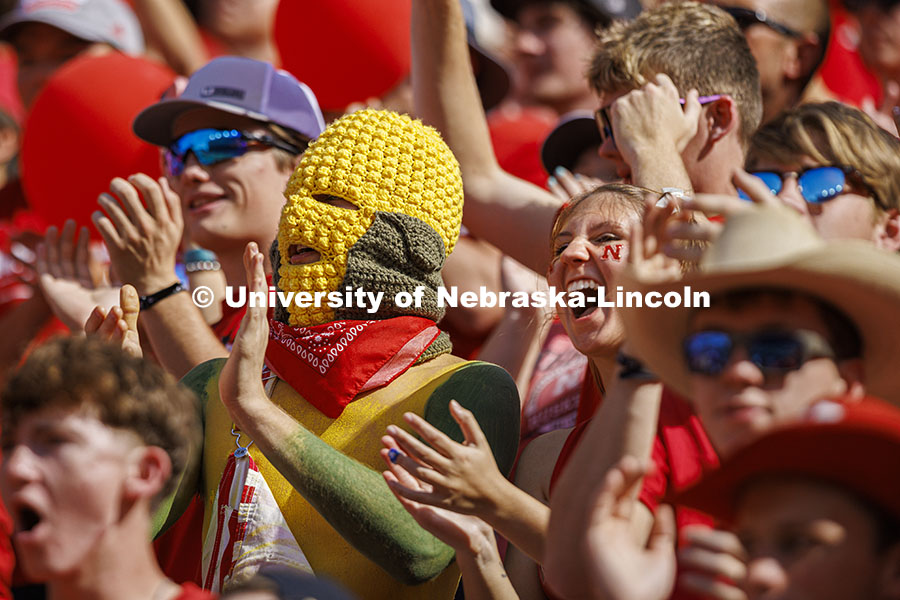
{"type": "Point", "coordinates": [572, 148]}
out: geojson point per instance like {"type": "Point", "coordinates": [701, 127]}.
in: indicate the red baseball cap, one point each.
{"type": "Point", "coordinates": [849, 443]}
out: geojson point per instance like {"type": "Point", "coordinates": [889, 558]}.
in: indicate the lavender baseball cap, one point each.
{"type": "Point", "coordinates": [109, 21]}
{"type": "Point", "coordinates": [240, 86]}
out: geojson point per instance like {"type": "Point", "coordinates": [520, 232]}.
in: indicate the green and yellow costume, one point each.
{"type": "Point", "coordinates": [406, 187]}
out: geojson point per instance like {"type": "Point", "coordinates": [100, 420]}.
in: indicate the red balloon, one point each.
{"type": "Point", "coordinates": [78, 134]}
{"type": "Point", "coordinates": [345, 50]}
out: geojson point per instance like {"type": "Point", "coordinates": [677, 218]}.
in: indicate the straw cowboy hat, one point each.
{"type": "Point", "coordinates": [775, 248]}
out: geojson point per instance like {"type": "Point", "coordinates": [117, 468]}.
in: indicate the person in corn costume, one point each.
{"type": "Point", "coordinates": [375, 203]}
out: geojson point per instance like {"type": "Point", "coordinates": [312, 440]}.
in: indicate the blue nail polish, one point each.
{"type": "Point", "coordinates": [559, 170]}
{"type": "Point", "coordinates": [393, 454]}
{"type": "Point", "coordinates": [551, 181]}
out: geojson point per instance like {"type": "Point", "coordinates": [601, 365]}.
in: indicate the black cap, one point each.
{"type": "Point", "coordinates": [576, 132]}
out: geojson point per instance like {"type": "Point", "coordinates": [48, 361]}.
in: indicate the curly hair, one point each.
{"type": "Point", "coordinates": [121, 391]}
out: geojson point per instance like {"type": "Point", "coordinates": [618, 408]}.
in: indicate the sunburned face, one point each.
{"type": "Point", "coordinates": [235, 201]}
{"type": "Point", "coordinates": [742, 401]}
{"type": "Point", "coordinates": [62, 480]}
{"type": "Point", "coordinates": [589, 251]}
{"type": "Point", "coordinates": [808, 541]}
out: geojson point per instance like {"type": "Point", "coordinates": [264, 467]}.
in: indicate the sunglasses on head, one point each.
{"type": "Point", "coordinates": [604, 124]}
{"type": "Point", "coordinates": [211, 146]}
{"type": "Point", "coordinates": [775, 352]}
{"type": "Point", "coordinates": [816, 184]}
{"type": "Point", "coordinates": [746, 18]}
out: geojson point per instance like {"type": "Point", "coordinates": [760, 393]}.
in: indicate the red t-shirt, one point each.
{"type": "Point", "coordinates": [843, 71]}
{"type": "Point", "coordinates": [517, 134]}
{"type": "Point", "coordinates": [681, 454]}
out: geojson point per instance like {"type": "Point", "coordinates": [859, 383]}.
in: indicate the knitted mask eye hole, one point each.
{"type": "Point", "coordinates": [336, 201]}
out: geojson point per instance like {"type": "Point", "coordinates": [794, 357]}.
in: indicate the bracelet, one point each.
{"type": "Point", "coordinates": [198, 255]}
{"type": "Point", "coordinates": [632, 368]}
{"type": "Point", "coordinates": [150, 300]}
{"type": "Point", "coordinates": [202, 265]}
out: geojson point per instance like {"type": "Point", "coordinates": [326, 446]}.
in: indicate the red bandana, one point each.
{"type": "Point", "coordinates": [331, 364]}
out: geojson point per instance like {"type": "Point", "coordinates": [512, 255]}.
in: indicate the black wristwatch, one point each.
{"type": "Point", "coordinates": [148, 301]}
{"type": "Point", "coordinates": [632, 368]}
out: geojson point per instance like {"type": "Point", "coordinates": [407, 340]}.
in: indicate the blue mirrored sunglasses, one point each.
{"type": "Point", "coordinates": [774, 352]}
{"type": "Point", "coordinates": [211, 146]}
{"type": "Point", "coordinates": [817, 184]}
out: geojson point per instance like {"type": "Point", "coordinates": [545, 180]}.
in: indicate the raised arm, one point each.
{"type": "Point", "coordinates": [171, 29]}
{"type": "Point", "coordinates": [352, 497]}
{"type": "Point", "coordinates": [508, 212]}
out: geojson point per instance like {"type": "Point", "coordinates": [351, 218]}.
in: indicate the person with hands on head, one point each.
{"type": "Point", "coordinates": [336, 376]}
{"type": "Point", "coordinates": [230, 140]}
{"type": "Point", "coordinates": [659, 57]}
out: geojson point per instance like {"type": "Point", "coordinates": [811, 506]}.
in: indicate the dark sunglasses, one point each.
{"type": "Point", "coordinates": [746, 18]}
{"type": "Point", "coordinates": [211, 146]}
{"type": "Point", "coordinates": [817, 184]}
{"type": "Point", "coordinates": [604, 124]}
{"type": "Point", "coordinates": [775, 352]}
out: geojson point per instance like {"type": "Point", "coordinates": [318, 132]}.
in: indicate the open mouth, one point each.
{"type": "Point", "coordinates": [299, 254]}
{"type": "Point", "coordinates": [27, 519]}
{"type": "Point", "coordinates": [582, 297]}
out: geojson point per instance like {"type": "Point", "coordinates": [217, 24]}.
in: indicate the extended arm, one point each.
{"type": "Point", "coordinates": [508, 212]}
{"type": "Point", "coordinates": [353, 498]}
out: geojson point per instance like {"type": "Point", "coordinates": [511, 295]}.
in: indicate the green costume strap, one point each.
{"type": "Point", "coordinates": [326, 473]}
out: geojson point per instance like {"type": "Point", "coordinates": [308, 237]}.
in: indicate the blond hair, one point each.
{"type": "Point", "coordinates": [831, 133]}
{"type": "Point", "coordinates": [698, 46]}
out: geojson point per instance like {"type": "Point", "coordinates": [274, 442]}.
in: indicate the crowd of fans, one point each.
{"type": "Point", "coordinates": [159, 446]}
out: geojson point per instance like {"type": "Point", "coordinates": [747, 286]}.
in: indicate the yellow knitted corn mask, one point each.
{"type": "Point", "coordinates": [378, 161]}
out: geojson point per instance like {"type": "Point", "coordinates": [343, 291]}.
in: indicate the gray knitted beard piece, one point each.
{"type": "Point", "coordinates": [397, 253]}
